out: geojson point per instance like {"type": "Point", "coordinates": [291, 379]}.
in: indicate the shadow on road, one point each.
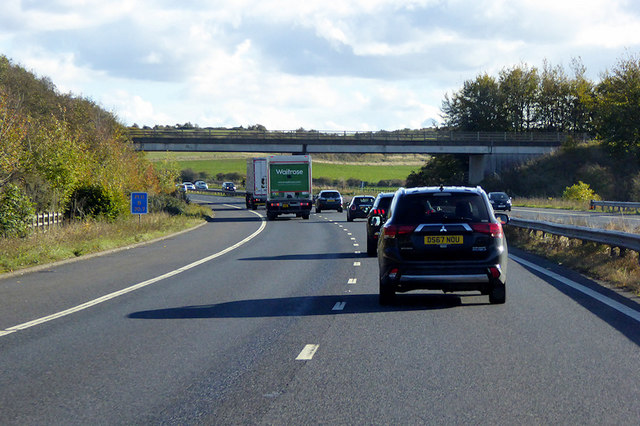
{"type": "Point", "coordinates": [234, 219]}
{"type": "Point", "coordinates": [305, 306]}
{"type": "Point", "coordinates": [615, 319]}
{"type": "Point", "coordinates": [314, 256]}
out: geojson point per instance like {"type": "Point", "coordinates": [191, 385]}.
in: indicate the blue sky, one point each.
{"type": "Point", "coordinates": [286, 64]}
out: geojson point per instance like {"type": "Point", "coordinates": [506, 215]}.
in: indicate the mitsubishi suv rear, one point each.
{"type": "Point", "coordinates": [442, 238]}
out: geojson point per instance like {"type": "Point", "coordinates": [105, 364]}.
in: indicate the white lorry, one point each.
{"type": "Point", "coordinates": [256, 183]}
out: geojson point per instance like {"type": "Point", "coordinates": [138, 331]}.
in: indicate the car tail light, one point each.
{"type": "Point", "coordinates": [492, 229]}
{"type": "Point", "coordinates": [353, 207]}
{"type": "Point", "coordinates": [494, 271]}
{"type": "Point", "coordinates": [378, 211]}
{"type": "Point", "coordinates": [391, 231]}
{"type": "Point", "coordinates": [393, 273]}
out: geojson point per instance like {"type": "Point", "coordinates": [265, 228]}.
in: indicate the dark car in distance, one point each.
{"type": "Point", "coordinates": [359, 207]}
{"type": "Point", "coordinates": [442, 238]}
{"type": "Point", "coordinates": [229, 186]}
{"type": "Point", "coordinates": [329, 200]}
{"type": "Point", "coordinates": [375, 219]}
{"type": "Point", "coordinates": [500, 201]}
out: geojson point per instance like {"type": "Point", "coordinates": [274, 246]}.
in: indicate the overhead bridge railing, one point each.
{"type": "Point", "coordinates": [620, 206]}
{"type": "Point", "coordinates": [309, 136]}
{"type": "Point", "coordinates": [615, 239]}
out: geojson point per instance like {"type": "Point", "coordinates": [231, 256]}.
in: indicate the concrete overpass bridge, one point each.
{"type": "Point", "coordinates": [488, 152]}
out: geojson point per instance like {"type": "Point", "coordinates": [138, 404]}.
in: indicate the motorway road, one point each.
{"type": "Point", "coordinates": [280, 324]}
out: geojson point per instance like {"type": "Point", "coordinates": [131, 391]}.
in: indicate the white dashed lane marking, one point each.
{"type": "Point", "coordinates": [339, 306]}
{"type": "Point", "coordinates": [307, 353]}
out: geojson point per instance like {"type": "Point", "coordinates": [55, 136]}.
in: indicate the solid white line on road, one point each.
{"type": "Point", "coordinates": [624, 309]}
{"type": "Point", "coordinates": [352, 281]}
{"type": "Point", "coordinates": [307, 353]}
{"type": "Point", "coordinates": [339, 306]}
{"type": "Point", "coordinates": [356, 263]}
{"type": "Point", "coordinates": [115, 294]}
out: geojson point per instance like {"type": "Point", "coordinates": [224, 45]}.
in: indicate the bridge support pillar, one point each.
{"type": "Point", "coordinates": [477, 167]}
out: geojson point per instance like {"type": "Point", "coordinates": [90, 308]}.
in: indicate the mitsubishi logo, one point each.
{"type": "Point", "coordinates": [443, 229]}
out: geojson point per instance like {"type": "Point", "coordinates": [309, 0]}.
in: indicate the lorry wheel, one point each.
{"type": "Point", "coordinates": [270, 216]}
{"type": "Point", "coordinates": [305, 216]}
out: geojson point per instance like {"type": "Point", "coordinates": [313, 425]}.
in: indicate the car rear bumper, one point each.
{"type": "Point", "coordinates": [456, 278]}
{"type": "Point", "coordinates": [330, 206]}
{"type": "Point", "coordinates": [358, 214]}
{"type": "Point", "coordinates": [462, 276]}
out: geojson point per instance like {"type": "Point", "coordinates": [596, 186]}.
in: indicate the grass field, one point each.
{"type": "Point", "coordinates": [370, 169]}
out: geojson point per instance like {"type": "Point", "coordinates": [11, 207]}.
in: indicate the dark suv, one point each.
{"type": "Point", "coordinates": [376, 217]}
{"type": "Point", "coordinates": [359, 207]}
{"type": "Point", "coordinates": [329, 200]}
{"type": "Point", "coordinates": [442, 238]}
{"type": "Point", "coordinates": [500, 201]}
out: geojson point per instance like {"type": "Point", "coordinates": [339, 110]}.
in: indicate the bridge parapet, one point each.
{"type": "Point", "coordinates": [344, 136]}
{"type": "Point", "coordinates": [488, 151]}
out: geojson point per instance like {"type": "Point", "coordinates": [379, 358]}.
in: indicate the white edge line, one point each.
{"type": "Point", "coordinates": [134, 287]}
{"type": "Point", "coordinates": [624, 309]}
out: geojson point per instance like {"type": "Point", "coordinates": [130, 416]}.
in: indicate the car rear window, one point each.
{"type": "Point", "coordinates": [441, 207]}
{"type": "Point", "coordinates": [363, 200]}
{"type": "Point", "coordinates": [330, 195]}
{"type": "Point", "coordinates": [384, 203]}
{"type": "Point", "coordinates": [498, 196]}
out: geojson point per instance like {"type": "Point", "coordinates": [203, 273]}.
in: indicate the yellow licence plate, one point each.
{"type": "Point", "coordinates": [285, 206]}
{"type": "Point", "coordinates": [443, 239]}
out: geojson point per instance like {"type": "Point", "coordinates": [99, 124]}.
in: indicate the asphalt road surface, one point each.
{"type": "Point", "coordinates": [244, 321]}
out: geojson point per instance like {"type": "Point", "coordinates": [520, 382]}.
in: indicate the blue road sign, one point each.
{"type": "Point", "coordinates": [139, 203]}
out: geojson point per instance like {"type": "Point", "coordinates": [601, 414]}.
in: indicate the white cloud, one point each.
{"type": "Point", "coordinates": [358, 64]}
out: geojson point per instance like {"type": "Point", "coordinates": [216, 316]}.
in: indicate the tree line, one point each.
{"type": "Point", "coordinates": [524, 98]}
{"type": "Point", "coordinates": [59, 152]}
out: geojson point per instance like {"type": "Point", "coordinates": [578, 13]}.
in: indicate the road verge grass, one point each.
{"type": "Point", "coordinates": [596, 261]}
{"type": "Point", "coordinates": [92, 236]}
{"type": "Point", "coordinates": [551, 203]}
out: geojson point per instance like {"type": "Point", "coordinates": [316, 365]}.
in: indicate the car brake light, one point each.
{"type": "Point", "coordinates": [494, 271]}
{"type": "Point", "coordinates": [353, 207]}
{"type": "Point", "coordinates": [391, 231]}
{"type": "Point", "coordinates": [492, 229]}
